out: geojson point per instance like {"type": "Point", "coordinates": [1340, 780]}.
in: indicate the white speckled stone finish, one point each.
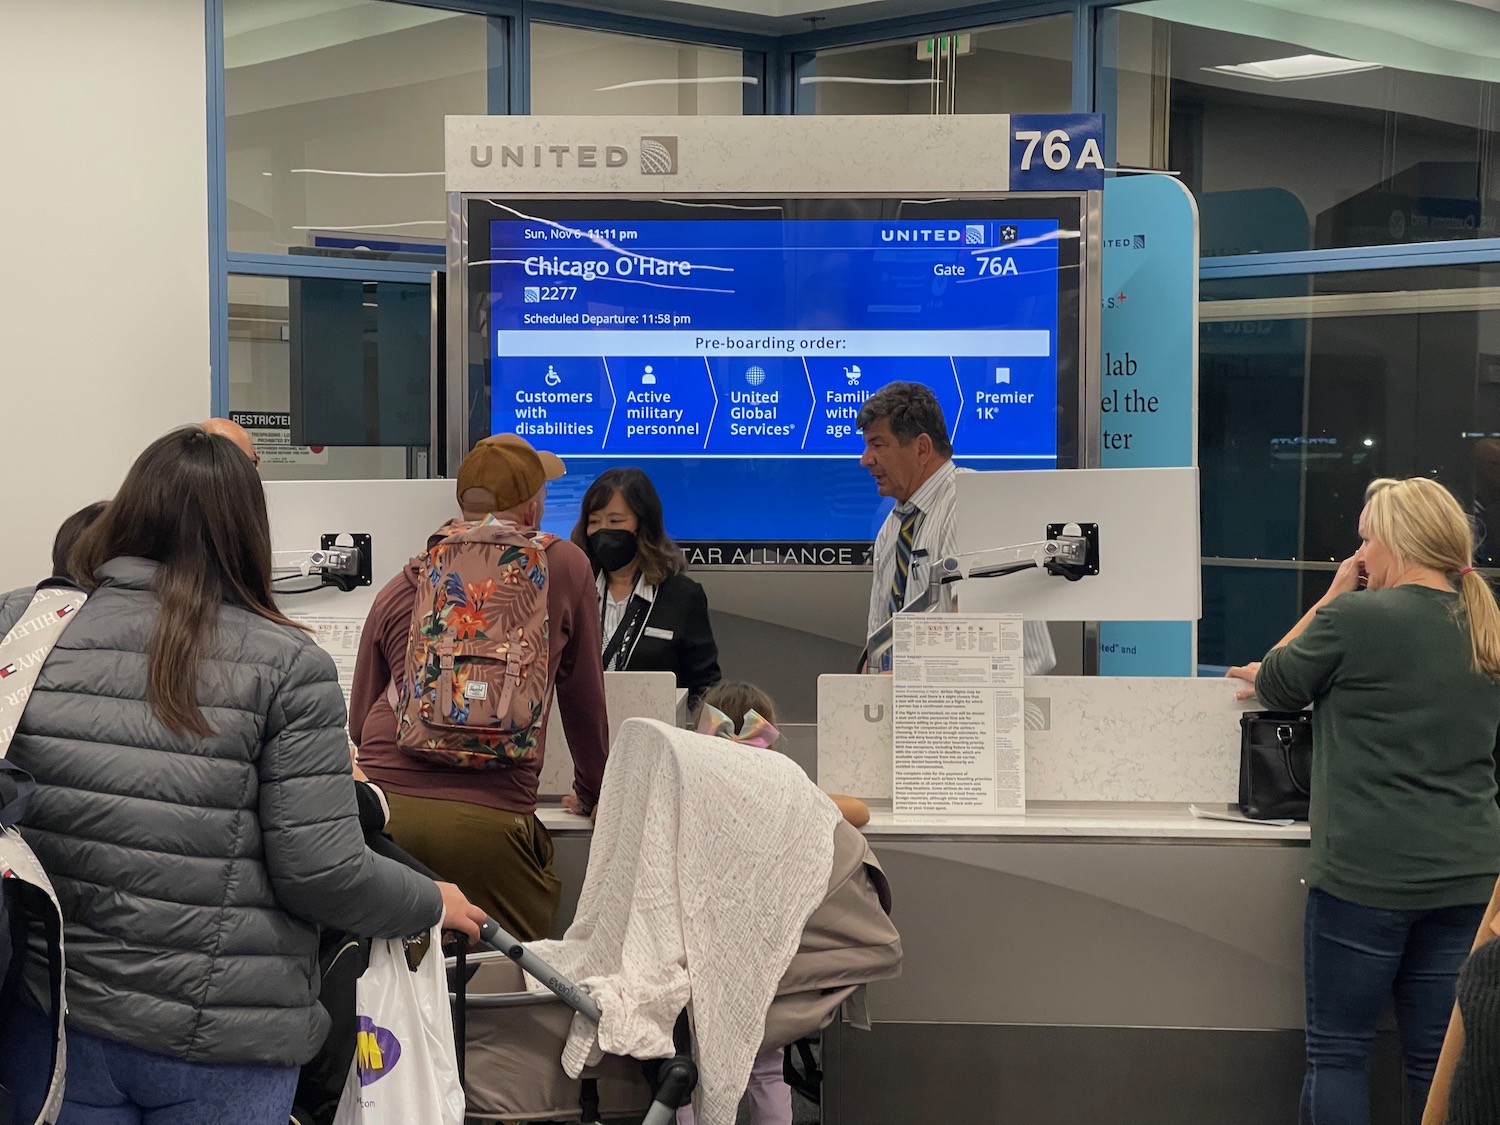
{"type": "Point", "coordinates": [627, 695]}
{"type": "Point", "coordinates": [854, 736]}
{"type": "Point", "coordinates": [1081, 822]}
{"type": "Point", "coordinates": [1088, 738]}
{"type": "Point", "coordinates": [735, 156]}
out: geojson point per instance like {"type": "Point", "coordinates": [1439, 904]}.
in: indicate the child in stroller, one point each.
{"type": "Point", "coordinates": [743, 713]}
{"type": "Point", "coordinates": [692, 845]}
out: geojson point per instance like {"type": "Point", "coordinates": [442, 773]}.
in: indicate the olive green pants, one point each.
{"type": "Point", "coordinates": [501, 861]}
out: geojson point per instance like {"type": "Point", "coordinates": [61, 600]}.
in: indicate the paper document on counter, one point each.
{"type": "Point", "coordinates": [1235, 816]}
{"type": "Point", "coordinates": [339, 638]}
{"type": "Point", "coordinates": [958, 723]}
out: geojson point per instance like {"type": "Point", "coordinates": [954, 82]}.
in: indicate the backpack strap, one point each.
{"type": "Point", "coordinates": [22, 652]}
{"type": "Point", "coordinates": [24, 649]}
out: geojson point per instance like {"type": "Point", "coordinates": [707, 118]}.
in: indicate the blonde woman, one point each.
{"type": "Point", "coordinates": [1405, 827]}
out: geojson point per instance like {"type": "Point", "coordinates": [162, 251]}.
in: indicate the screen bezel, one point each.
{"type": "Point", "coordinates": [470, 214]}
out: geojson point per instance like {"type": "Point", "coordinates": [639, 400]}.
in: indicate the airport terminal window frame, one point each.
{"type": "Point", "coordinates": [1254, 592]}
{"type": "Point", "coordinates": [377, 256]}
{"type": "Point", "coordinates": [1094, 86]}
{"type": "Point", "coordinates": [769, 60]}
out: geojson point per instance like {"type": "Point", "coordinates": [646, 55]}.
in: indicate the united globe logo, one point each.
{"type": "Point", "coordinates": [658, 156]}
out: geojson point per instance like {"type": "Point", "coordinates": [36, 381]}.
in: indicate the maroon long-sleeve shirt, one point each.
{"type": "Point", "coordinates": [573, 666]}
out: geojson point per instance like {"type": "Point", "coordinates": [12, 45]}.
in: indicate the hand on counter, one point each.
{"type": "Point", "coordinates": [1247, 673]}
{"type": "Point", "coordinates": [572, 804]}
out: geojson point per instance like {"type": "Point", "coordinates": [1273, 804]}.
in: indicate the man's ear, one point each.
{"type": "Point", "coordinates": [924, 445]}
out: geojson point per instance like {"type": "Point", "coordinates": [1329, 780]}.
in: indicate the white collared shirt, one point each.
{"type": "Point", "coordinates": [937, 535]}
{"type": "Point", "coordinates": [612, 613]}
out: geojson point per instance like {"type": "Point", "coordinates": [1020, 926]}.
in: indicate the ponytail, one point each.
{"type": "Point", "coordinates": [1422, 524]}
{"type": "Point", "coordinates": [1484, 622]}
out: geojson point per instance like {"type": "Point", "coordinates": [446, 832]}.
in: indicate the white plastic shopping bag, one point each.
{"type": "Point", "coordinates": [405, 1067]}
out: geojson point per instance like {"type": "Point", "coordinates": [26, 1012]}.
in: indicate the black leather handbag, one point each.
{"type": "Point", "coordinates": [1276, 749]}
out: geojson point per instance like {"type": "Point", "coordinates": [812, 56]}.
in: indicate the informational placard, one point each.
{"type": "Point", "coordinates": [1149, 410]}
{"type": "Point", "coordinates": [682, 338]}
{"type": "Point", "coordinates": [339, 638]}
{"type": "Point", "coordinates": [958, 721]}
{"type": "Point", "coordinates": [271, 434]}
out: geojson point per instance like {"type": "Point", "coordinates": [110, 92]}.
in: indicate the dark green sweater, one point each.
{"type": "Point", "coordinates": [1403, 812]}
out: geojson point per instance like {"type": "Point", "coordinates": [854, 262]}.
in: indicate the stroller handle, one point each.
{"type": "Point", "coordinates": [492, 935]}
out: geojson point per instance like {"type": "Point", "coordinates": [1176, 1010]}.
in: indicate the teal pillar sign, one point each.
{"type": "Point", "coordinates": [1149, 382]}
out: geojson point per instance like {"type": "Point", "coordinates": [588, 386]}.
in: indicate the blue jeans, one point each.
{"type": "Point", "coordinates": [1356, 959]}
{"type": "Point", "coordinates": [113, 1084]}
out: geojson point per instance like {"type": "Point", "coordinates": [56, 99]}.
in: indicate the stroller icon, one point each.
{"type": "Point", "coordinates": [852, 374]}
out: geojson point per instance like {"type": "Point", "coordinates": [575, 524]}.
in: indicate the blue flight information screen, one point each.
{"type": "Point", "coordinates": [729, 358]}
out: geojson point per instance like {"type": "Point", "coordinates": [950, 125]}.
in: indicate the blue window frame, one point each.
{"type": "Point", "coordinates": [775, 64]}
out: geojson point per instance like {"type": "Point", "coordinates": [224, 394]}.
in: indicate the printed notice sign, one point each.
{"type": "Point", "coordinates": [339, 638]}
{"type": "Point", "coordinates": [272, 436]}
{"type": "Point", "coordinates": [958, 721]}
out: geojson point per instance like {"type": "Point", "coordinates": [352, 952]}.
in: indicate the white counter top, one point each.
{"type": "Point", "coordinates": [1087, 821]}
{"type": "Point", "coordinates": [1117, 821]}
{"type": "Point", "coordinates": [558, 821]}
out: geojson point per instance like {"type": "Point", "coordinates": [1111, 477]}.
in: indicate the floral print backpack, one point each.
{"type": "Point", "coordinates": [475, 693]}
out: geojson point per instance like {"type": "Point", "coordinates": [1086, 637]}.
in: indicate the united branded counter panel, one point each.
{"type": "Point", "coordinates": [1106, 956]}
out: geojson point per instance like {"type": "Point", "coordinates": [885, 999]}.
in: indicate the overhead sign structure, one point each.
{"type": "Point", "coordinates": [773, 155]}
{"type": "Point", "coordinates": [715, 300]}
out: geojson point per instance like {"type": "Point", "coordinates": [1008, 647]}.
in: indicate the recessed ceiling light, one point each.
{"type": "Point", "coordinates": [1294, 68]}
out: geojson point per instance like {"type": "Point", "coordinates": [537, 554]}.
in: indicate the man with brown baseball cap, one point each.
{"type": "Point", "coordinates": [478, 828]}
{"type": "Point", "coordinates": [504, 472]}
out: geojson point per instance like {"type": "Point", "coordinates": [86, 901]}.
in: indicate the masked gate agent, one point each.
{"type": "Point", "coordinates": [653, 617]}
{"type": "Point", "coordinates": [194, 811]}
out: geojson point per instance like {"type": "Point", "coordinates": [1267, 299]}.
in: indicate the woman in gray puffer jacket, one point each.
{"type": "Point", "coordinates": [195, 811]}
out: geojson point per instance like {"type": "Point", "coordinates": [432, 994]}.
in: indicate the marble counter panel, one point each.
{"type": "Point", "coordinates": [1088, 738]}
{"type": "Point", "coordinates": [627, 695]}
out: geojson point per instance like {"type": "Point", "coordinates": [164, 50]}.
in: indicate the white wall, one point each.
{"type": "Point", "coordinates": [104, 301]}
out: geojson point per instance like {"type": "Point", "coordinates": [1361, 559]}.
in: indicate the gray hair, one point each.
{"type": "Point", "coordinates": [912, 410]}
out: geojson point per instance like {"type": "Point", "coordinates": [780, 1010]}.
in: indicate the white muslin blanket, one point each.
{"type": "Point", "coordinates": [708, 857]}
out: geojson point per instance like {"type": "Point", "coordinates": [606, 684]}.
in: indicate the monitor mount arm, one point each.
{"type": "Point", "coordinates": [345, 566]}
{"type": "Point", "coordinates": [1070, 551]}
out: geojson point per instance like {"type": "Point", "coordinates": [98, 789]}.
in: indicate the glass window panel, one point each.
{"type": "Point", "coordinates": [1024, 67]}
{"type": "Point", "coordinates": [1247, 609]}
{"type": "Point", "coordinates": [1310, 386]}
{"type": "Point", "coordinates": [576, 70]}
{"type": "Point", "coordinates": [342, 368]}
{"type": "Point", "coordinates": [1335, 129]}
{"type": "Point", "coordinates": [334, 119]}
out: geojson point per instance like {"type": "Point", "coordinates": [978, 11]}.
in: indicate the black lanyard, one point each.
{"type": "Point", "coordinates": [617, 653]}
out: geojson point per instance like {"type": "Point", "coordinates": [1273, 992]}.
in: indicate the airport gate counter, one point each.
{"type": "Point", "coordinates": [1106, 931]}
{"type": "Point", "coordinates": [719, 313]}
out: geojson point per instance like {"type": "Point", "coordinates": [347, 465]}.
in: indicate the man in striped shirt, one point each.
{"type": "Point", "coordinates": [908, 452]}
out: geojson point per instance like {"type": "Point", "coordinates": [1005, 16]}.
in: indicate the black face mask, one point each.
{"type": "Point", "coordinates": [613, 548]}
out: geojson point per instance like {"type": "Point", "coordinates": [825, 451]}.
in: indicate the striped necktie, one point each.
{"type": "Point", "coordinates": [909, 514]}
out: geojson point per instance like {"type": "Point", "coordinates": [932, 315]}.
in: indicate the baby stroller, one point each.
{"type": "Point", "coordinates": [513, 1039]}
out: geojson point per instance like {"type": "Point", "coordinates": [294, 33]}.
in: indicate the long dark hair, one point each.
{"type": "Point", "coordinates": [68, 534]}
{"type": "Point", "coordinates": [193, 504]}
{"type": "Point", "coordinates": [660, 557]}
